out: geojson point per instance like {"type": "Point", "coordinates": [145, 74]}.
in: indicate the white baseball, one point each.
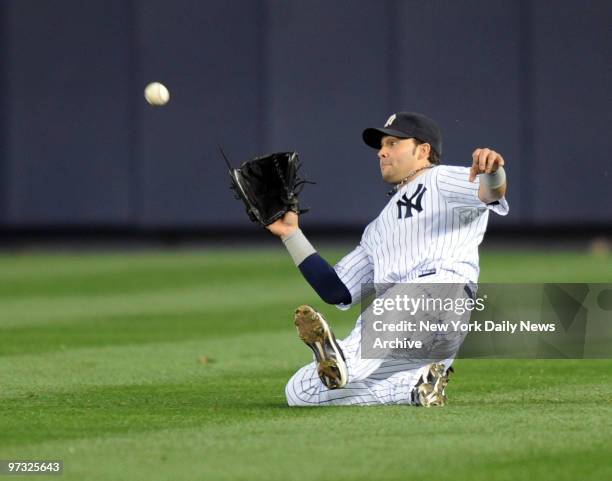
{"type": "Point", "coordinates": [156, 94]}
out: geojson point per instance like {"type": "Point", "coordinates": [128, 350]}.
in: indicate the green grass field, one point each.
{"type": "Point", "coordinates": [172, 365]}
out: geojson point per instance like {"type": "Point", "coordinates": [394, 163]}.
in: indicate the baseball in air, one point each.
{"type": "Point", "coordinates": [156, 94]}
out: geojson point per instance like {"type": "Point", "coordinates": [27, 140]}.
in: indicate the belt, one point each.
{"type": "Point", "coordinates": [469, 289]}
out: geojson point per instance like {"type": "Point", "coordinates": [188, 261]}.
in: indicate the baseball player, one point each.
{"type": "Point", "coordinates": [428, 232]}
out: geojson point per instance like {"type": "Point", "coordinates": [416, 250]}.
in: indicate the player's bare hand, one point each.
{"type": "Point", "coordinates": [284, 226]}
{"type": "Point", "coordinates": [485, 161]}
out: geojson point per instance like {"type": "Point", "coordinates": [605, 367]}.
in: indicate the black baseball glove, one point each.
{"type": "Point", "coordinates": [269, 186]}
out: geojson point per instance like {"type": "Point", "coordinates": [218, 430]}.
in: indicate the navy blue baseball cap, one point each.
{"type": "Point", "coordinates": [406, 125]}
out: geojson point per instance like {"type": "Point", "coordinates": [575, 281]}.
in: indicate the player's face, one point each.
{"type": "Point", "coordinates": [398, 157]}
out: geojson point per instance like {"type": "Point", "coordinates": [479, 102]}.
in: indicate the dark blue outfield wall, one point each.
{"type": "Point", "coordinates": [80, 147]}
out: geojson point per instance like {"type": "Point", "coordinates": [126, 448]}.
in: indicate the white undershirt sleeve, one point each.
{"type": "Point", "coordinates": [354, 270]}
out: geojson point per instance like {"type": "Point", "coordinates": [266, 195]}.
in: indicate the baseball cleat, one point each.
{"type": "Point", "coordinates": [315, 332]}
{"type": "Point", "coordinates": [433, 382]}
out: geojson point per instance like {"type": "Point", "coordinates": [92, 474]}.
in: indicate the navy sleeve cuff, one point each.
{"type": "Point", "coordinates": [324, 280]}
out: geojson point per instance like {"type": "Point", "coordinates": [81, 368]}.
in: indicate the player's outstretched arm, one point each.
{"type": "Point", "coordinates": [320, 275]}
{"type": "Point", "coordinates": [490, 165]}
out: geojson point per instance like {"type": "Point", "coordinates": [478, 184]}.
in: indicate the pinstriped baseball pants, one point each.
{"type": "Point", "coordinates": [371, 381]}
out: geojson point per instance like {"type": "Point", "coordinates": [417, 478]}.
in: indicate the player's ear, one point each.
{"type": "Point", "coordinates": [425, 150]}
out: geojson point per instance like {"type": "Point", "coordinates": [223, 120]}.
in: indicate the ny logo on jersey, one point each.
{"type": "Point", "coordinates": [412, 202]}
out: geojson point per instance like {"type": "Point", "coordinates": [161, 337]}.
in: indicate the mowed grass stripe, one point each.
{"type": "Point", "coordinates": [127, 278]}
{"type": "Point", "coordinates": [61, 310]}
{"type": "Point", "coordinates": [110, 273]}
{"type": "Point", "coordinates": [138, 329]}
{"type": "Point", "coordinates": [36, 265]}
{"type": "Point", "coordinates": [154, 362]}
{"type": "Point", "coordinates": [220, 431]}
{"type": "Point", "coordinates": [229, 383]}
{"type": "Point", "coordinates": [530, 266]}
{"type": "Point", "coordinates": [233, 451]}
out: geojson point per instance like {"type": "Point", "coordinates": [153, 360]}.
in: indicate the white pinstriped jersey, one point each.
{"type": "Point", "coordinates": [432, 224]}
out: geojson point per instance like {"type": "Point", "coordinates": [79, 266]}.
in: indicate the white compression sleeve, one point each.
{"type": "Point", "coordinates": [495, 179]}
{"type": "Point", "coordinates": [298, 246]}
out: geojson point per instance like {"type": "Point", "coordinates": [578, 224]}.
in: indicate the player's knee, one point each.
{"type": "Point", "coordinates": [293, 395]}
{"type": "Point", "coordinates": [295, 392]}
{"type": "Point", "coordinates": [294, 401]}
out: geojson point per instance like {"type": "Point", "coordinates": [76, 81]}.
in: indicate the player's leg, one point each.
{"type": "Point", "coordinates": [305, 388]}
{"type": "Point", "coordinates": [330, 362]}
{"type": "Point", "coordinates": [423, 373]}
{"type": "Point", "coordinates": [338, 362]}
{"type": "Point", "coordinates": [338, 376]}
{"type": "Point", "coordinates": [434, 362]}
{"type": "Point", "coordinates": [405, 384]}
{"type": "Point", "coordinates": [423, 386]}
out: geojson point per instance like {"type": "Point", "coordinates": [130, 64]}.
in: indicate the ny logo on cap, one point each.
{"type": "Point", "coordinates": [390, 120]}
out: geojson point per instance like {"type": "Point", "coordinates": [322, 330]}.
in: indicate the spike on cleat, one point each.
{"type": "Point", "coordinates": [431, 390]}
{"type": "Point", "coordinates": [317, 335]}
